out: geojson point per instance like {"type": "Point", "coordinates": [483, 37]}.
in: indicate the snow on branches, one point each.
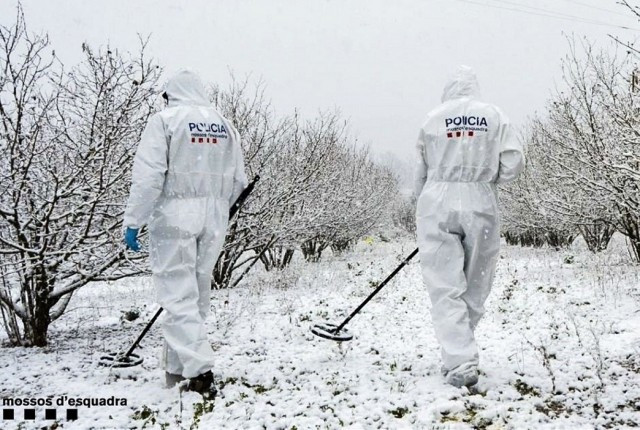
{"type": "Point", "coordinates": [583, 173]}
{"type": "Point", "coordinates": [67, 139]}
{"type": "Point", "coordinates": [318, 187]}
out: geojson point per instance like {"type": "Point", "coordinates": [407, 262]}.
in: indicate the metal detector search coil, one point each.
{"type": "Point", "coordinates": [329, 331]}
{"type": "Point", "coordinates": [337, 332]}
{"type": "Point", "coordinates": [118, 359]}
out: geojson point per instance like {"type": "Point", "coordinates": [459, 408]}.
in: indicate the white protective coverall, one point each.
{"type": "Point", "coordinates": [187, 172]}
{"type": "Point", "coordinates": [465, 148]}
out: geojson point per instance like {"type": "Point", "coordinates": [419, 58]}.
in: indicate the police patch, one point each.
{"type": "Point", "coordinates": [202, 132]}
{"type": "Point", "coordinates": [465, 126]}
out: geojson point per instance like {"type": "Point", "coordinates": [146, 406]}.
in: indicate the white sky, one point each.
{"type": "Point", "coordinates": [382, 63]}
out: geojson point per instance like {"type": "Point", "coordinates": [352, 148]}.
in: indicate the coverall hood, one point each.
{"type": "Point", "coordinates": [463, 83]}
{"type": "Point", "coordinates": [186, 88]}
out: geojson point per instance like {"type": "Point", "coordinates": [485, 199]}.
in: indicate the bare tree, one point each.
{"type": "Point", "coordinates": [66, 145]}
{"type": "Point", "coordinates": [267, 143]}
{"type": "Point", "coordinates": [526, 219]}
{"type": "Point", "coordinates": [317, 188]}
{"type": "Point", "coordinates": [583, 155]}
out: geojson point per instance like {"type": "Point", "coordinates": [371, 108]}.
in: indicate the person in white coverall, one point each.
{"type": "Point", "coordinates": [187, 171]}
{"type": "Point", "coordinates": [465, 148]}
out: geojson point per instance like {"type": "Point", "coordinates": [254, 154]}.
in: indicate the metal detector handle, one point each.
{"type": "Point", "coordinates": [243, 196]}
{"type": "Point", "coordinates": [232, 211]}
{"type": "Point", "coordinates": [377, 290]}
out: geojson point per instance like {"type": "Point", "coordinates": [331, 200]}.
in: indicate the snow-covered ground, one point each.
{"type": "Point", "coordinates": [560, 349]}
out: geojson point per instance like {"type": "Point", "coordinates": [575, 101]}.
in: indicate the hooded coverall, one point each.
{"type": "Point", "coordinates": [465, 148]}
{"type": "Point", "coordinates": [187, 171]}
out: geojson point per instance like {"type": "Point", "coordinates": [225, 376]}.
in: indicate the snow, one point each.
{"type": "Point", "coordinates": [560, 343]}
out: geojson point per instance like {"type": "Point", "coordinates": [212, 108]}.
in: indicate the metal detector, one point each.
{"type": "Point", "coordinates": [128, 358]}
{"type": "Point", "coordinates": [337, 332]}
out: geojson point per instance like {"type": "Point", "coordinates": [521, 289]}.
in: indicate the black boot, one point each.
{"type": "Point", "coordinates": [203, 384]}
{"type": "Point", "coordinates": [171, 379]}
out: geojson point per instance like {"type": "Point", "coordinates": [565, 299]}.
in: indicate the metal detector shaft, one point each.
{"type": "Point", "coordinates": [376, 291]}
{"type": "Point", "coordinates": [243, 196]}
{"type": "Point", "coordinates": [232, 211]}
{"type": "Point", "coordinates": [144, 332]}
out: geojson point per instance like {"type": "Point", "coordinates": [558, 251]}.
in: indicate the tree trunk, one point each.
{"type": "Point", "coordinates": [630, 224]}
{"type": "Point", "coordinates": [532, 237]}
{"type": "Point", "coordinates": [507, 238]}
{"type": "Point", "coordinates": [340, 246]}
{"type": "Point", "coordinates": [37, 326]}
{"type": "Point", "coordinates": [634, 249]}
{"type": "Point", "coordinates": [37, 317]}
{"type": "Point", "coordinates": [223, 269]}
{"type": "Point", "coordinates": [597, 235]}
{"type": "Point", "coordinates": [559, 239]}
{"type": "Point", "coordinates": [277, 257]}
{"type": "Point", "coordinates": [312, 249]}
{"type": "Point", "coordinates": [11, 326]}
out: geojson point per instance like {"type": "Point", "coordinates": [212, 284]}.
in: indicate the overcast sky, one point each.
{"type": "Point", "coordinates": [382, 63]}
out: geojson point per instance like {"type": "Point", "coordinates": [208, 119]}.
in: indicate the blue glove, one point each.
{"type": "Point", "coordinates": [131, 239]}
